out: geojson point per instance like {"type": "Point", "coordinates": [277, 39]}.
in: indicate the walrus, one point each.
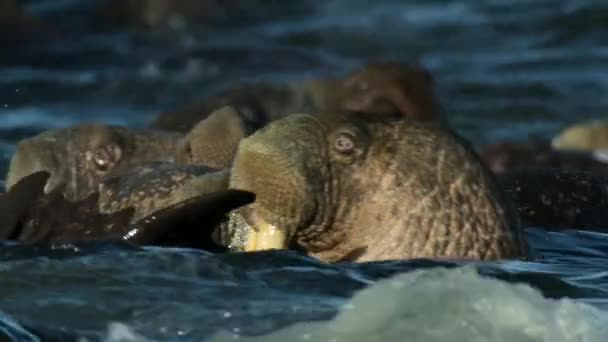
{"type": "Point", "coordinates": [377, 87]}
{"type": "Point", "coordinates": [78, 157]}
{"type": "Point", "coordinates": [353, 187]}
{"type": "Point", "coordinates": [387, 88]}
{"type": "Point", "coordinates": [214, 140]}
{"type": "Point", "coordinates": [554, 199]}
{"type": "Point", "coordinates": [585, 136]}
{"type": "Point", "coordinates": [41, 217]}
{"type": "Point", "coordinates": [515, 156]}
{"type": "Point", "coordinates": [157, 185]}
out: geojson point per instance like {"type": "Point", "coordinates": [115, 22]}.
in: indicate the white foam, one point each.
{"type": "Point", "coordinates": [120, 332]}
{"type": "Point", "coordinates": [450, 305]}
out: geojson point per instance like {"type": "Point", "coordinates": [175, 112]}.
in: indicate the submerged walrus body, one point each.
{"type": "Point", "coordinates": [368, 187]}
{"type": "Point", "coordinates": [517, 156]}
{"type": "Point", "coordinates": [384, 88]}
{"type": "Point", "coordinates": [213, 141]}
{"type": "Point", "coordinates": [79, 157]}
{"type": "Point", "coordinates": [29, 215]}
{"type": "Point", "coordinates": [155, 186]}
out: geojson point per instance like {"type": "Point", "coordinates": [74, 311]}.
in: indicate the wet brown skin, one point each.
{"type": "Point", "coordinates": [16, 203]}
{"type": "Point", "coordinates": [388, 89]}
{"type": "Point", "coordinates": [214, 140]}
{"type": "Point", "coordinates": [370, 187]}
{"type": "Point", "coordinates": [513, 156]}
{"type": "Point", "coordinates": [584, 136]}
{"type": "Point", "coordinates": [257, 103]}
{"type": "Point", "coordinates": [554, 199]}
{"type": "Point", "coordinates": [38, 217]}
{"type": "Point", "coordinates": [154, 186]}
{"type": "Point", "coordinates": [79, 157]}
{"type": "Point", "coordinates": [383, 88]}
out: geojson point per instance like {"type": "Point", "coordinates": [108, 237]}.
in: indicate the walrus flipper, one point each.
{"type": "Point", "coordinates": [16, 203]}
{"type": "Point", "coordinates": [54, 219]}
{"type": "Point", "coordinates": [190, 223]}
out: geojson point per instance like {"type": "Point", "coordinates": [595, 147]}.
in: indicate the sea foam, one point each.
{"type": "Point", "coordinates": [449, 305]}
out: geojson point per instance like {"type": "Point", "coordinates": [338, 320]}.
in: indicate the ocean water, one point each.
{"type": "Point", "coordinates": [504, 69]}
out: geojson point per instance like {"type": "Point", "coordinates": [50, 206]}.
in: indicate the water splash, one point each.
{"type": "Point", "coordinates": [449, 305]}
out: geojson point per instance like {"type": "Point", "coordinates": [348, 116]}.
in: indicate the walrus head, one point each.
{"type": "Point", "coordinates": [214, 140]}
{"type": "Point", "coordinates": [80, 156]}
{"type": "Point", "coordinates": [390, 88]}
{"type": "Point", "coordinates": [369, 187]}
{"type": "Point", "coordinates": [584, 136]}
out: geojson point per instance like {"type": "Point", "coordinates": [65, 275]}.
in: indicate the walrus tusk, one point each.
{"type": "Point", "coordinates": [264, 236]}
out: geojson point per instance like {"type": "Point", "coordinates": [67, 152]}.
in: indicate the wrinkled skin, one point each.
{"type": "Point", "coordinates": [79, 157]}
{"type": "Point", "coordinates": [49, 217]}
{"type": "Point", "coordinates": [586, 136]}
{"type": "Point", "coordinates": [387, 88]}
{"type": "Point", "coordinates": [41, 217]}
{"type": "Point", "coordinates": [257, 104]}
{"type": "Point", "coordinates": [370, 187]}
{"type": "Point", "coordinates": [155, 186]}
{"type": "Point", "coordinates": [513, 156]}
{"type": "Point", "coordinates": [213, 141]}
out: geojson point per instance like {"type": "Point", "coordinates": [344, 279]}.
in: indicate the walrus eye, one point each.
{"type": "Point", "coordinates": [106, 157]}
{"type": "Point", "coordinates": [344, 143]}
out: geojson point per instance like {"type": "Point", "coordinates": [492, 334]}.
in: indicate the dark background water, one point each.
{"type": "Point", "coordinates": [504, 69]}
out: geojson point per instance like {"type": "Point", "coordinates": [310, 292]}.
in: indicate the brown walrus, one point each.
{"type": "Point", "coordinates": [555, 199]}
{"type": "Point", "coordinates": [386, 88]}
{"type": "Point", "coordinates": [585, 136]}
{"type": "Point", "coordinates": [214, 140]}
{"type": "Point", "coordinates": [370, 187]}
{"type": "Point", "coordinates": [154, 186]}
{"type": "Point", "coordinates": [379, 88]}
{"type": "Point", "coordinates": [511, 156]}
{"type": "Point", "coordinates": [78, 157]}
{"type": "Point", "coordinates": [29, 215]}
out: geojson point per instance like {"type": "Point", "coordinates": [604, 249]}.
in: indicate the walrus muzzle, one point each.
{"type": "Point", "coordinates": [278, 165]}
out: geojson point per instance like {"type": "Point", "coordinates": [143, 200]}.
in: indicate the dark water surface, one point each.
{"type": "Point", "coordinates": [505, 69]}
